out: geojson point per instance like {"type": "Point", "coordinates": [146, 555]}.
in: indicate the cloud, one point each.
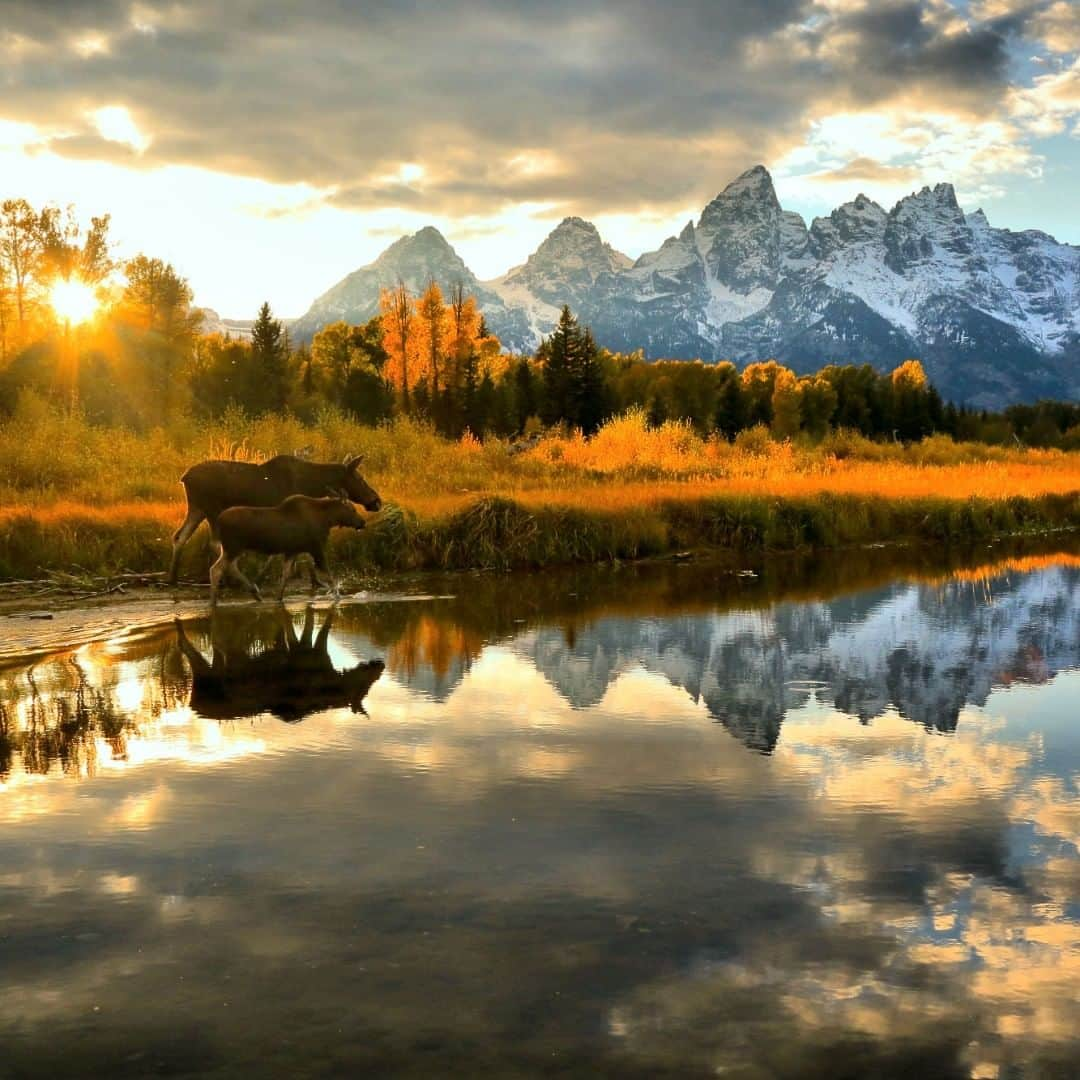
{"type": "Point", "coordinates": [1052, 103]}
{"type": "Point", "coordinates": [864, 168]}
{"type": "Point", "coordinates": [614, 107]}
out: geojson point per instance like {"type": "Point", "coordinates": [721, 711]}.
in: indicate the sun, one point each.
{"type": "Point", "coordinates": [73, 301]}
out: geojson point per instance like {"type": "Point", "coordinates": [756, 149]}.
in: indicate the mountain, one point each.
{"type": "Point", "coordinates": [993, 314]}
{"type": "Point", "coordinates": [927, 651]}
{"type": "Point", "coordinates": [415, 260]}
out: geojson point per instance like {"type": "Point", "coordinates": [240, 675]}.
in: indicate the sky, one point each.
{"type": "Point", "coordinates": [267, 148]}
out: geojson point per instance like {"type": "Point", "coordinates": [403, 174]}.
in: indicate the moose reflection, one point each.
{"type": "Point", "coordinates": [292, 678]}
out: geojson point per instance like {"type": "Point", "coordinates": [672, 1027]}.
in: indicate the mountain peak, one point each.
{"type": "Point", "coordinates": [940, 196]}
{"type": "Point", "coordinates": [427, 238]}
{"type": "Point", "coordinates": [576, 224]}
{"type": "Point", "coordinates": [570, 259]}
{"type": "Point", "coordinates": [754, 185]}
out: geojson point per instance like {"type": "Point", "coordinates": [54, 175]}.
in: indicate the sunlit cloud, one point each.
{"type": "Point", "coordinates": [632, 115]}
{"type": "Point", "coordinates": [115, 123]}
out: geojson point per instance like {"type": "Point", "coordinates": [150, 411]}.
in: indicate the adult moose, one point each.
{"type": "Point", "coordinates": [214, 486]}
{"type": "Point", "coordinates": [291, 679]}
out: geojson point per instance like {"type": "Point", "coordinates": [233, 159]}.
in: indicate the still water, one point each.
{"type": "Point", "coordinates": [665, 821]}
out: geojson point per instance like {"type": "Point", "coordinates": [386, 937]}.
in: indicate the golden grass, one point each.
{"type": "Point", "coordinates": [74, 494]}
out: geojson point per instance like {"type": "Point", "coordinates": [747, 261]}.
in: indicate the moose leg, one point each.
{"type": "Point", "coordinates": [217, 572]}
{"type": "Point", "coordinates": [321, 574]}
{"type": "Point", "coordinates": [286, 574]}
{"type": "Point", "coordinates": [182, 535]}
{"type": "Point", "coordinates": [264, 571]}
{"type": "Point", "coordinates": [239, 577]}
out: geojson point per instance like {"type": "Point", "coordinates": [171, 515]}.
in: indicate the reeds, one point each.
{"type": "Point", "coordinates": [105, 500]}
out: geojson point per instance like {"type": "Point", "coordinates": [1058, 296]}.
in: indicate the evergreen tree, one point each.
{"type": "Point", "coordinates": [559, 354]}
{"type": "Point", "coordinates": [270, 364]}
{"type": "Point", "coordinates": [731, 408]}
{"type": "Point", "coordinates": [525, 396]}
{"type": "Point", "coordinates": [483, 406]}
{"type": "Point", "coordinates": [589, 390]}
{"type": "Point", "coordinates": [470, 378]}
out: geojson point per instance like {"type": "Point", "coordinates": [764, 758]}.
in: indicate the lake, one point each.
{"type": "Point", "coordinates": [657, 821]}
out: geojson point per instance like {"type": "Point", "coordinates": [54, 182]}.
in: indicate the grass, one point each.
{"type": "Point", "coordinates": [72, 495]}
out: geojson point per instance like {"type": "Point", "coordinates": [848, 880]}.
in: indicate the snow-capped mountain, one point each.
{"type": "Point", "coordinates": [927, 651]}
{"type": "Point", "coordinates": [993, 314]}
{"type": "Point", "coordinates": [414, 260]}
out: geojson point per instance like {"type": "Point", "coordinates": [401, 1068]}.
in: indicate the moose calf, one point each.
{"type": "Point", "coordinates": [297, 525]}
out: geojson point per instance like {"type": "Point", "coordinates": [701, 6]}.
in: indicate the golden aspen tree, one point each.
{"type": "Point", "coordinates": [433, 331]}
{"type": "Point", "coordinates": [398, 309]}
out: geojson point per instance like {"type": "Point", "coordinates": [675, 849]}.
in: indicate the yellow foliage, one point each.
{"type": "Point", "coordinates": [909, 374]}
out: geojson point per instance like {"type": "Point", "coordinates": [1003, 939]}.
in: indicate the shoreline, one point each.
{"type": "Point", "coordinates": [32, 627]}
{"type": "Point", "coordinates": [497, 532]}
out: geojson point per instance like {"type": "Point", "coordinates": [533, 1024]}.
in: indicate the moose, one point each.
{"type": "Point", "coordinates": [291, 679]}
{"type": "Point", "coordinates": [214, 486]}
{"type": "Point", "coordinates": [298, 525]}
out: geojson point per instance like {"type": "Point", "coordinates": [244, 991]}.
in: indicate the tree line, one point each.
{"type": "Point", "coordinates": [144, 361]}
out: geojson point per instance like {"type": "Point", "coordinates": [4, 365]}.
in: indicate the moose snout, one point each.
{"type": "Point", "coordinates": [375, 505]}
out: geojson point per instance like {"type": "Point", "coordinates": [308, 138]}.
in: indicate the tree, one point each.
{"type": "Point", "coordinates": [20, 252]}
{"type": "Point", "coordinates": [348, 364]}
{"type": "Point", "coordinates": [589, 390]}
{"type": "Point", "coordinates": [157, 303]}
{"type": "Point", "coordinates": [559, 354]}
{"type": "Point", "coordinates": [525, 394]}
{"type": "Point", "coordinates": [67, 254]}
{"type": "Point", "coordinates": [398, 321]}
{"type": "Point", "coordinates": [158, 300]}
{"type": "Point", "coordinates": [818, 398]}
{"type": "Point", "coordinates": [786, 404]}
{"type": "Point", "coordinates": [730, 404]}
{"type": "Point", "coordinates": [910, 401]}
{"type": "Point", "coordinates": [758, 383]}
{"type": "Point", "coordinates": [433, 328]}
{"type": "Point", "coordinates": [269, 363]}
{"type": "Point", "coordinates": [467, 328]}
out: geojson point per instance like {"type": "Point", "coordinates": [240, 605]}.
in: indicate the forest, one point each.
{"type": "Point", "coordinates": [137, 357]}
{"type": "Point", "coordinates": [110, 387]}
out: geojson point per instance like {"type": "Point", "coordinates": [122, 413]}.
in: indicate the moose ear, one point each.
{"type": "Point", "coordinates": [353, 462]}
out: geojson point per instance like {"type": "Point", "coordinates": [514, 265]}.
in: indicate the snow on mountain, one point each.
{"type": "Point", "coordinates": [927, 651]}
{"type": "Point", "coordinates": [415, 260]}
{"type": "Point", "coordinates": [994, 314]}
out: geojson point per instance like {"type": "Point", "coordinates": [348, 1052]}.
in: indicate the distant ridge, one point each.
{"type": "Point", "coordinates": [993, 314]}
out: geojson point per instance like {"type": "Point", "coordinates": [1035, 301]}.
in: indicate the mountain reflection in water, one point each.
{"type": "Point", "coordinates": [652, 822]}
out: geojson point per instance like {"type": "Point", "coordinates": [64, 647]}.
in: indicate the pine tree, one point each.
{"type": "Point", "coordinates": [731, 408]}
{"type": "Point", "coordinates": [559, 354]}
{"type": "Point", "coordinates": [657, 413]}
{"type": "Point", "coordinates": [525, 388]}
{"type": "Point", "coordinates": [590, 397]}
{"type": "Point", "coordinates": [470, 378]}
{"type": "Point", "coordinates": [270, 363]}
{"type": "Point", "coordinates": [484, 405]}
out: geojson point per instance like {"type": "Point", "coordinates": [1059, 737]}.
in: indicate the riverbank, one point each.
{"type": "Point", "coordinates": [78, 499]}
{"type": "Point", "coordinates": [538, 530]}
{"type": "Point", "coordinates": [35, 621]}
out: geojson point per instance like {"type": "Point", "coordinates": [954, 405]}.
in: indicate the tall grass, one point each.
{"type": "Point", "coordinates": [75, 494]}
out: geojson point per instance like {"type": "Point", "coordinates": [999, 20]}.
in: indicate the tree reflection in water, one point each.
{"type": "Point", "coordinates": [60, 723]}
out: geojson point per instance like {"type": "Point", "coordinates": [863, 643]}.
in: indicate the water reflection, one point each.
{"type": "Point", "coordinates": [665, 822]}
{"type": "Point", "coordinates": [291, 678]}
